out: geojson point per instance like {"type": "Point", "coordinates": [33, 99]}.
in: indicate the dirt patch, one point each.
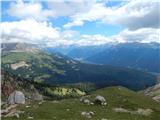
{"type": "Point", "coordinates": [145, 112]}
{"type": "Point", "coordinates": [18, 65]}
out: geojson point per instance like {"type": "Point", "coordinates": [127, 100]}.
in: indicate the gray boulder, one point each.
{"type": "Point", "coordinates": [17, 97]}
{"type": "Point", "coordinates": [100, 100]}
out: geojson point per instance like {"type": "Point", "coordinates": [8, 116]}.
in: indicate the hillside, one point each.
{"type": "Point", "coordinates": [34, 91]}
{"type": "Point", "coordinates": [122, 104]}
{"type": "Point", "coordinates": [56, 69]}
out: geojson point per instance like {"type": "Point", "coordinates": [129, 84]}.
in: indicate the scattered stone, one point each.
{"type": "Point", "coordinates": [91, 103]}
{"type": "Point", "coordinates": [145, 112]}
{"type": "Point", "coordinates": [28, 106]}
{"type": "Point", "coordinates": [85, 100]}
{"type": "Point", "coordinates": [104, 119]}
{"type": "Point", "coordinates": [91, 113]}
{"type": "Point", "coordinates": [30, 117]}
{"type": "Point", "coordinates": [40, 103]}
{"type": "Point", "coordinates": [87, 114]}
{"type": "Point", "coordinates": [17, 97]}
{"type": "Point", "coordinates": [100, 100]}
{"type": "Point", "coordinates": [121, 110]}
{"type": "Point", "coordinates": [12, 114]}
{"type": "Point", "coordinates": [5, 111]}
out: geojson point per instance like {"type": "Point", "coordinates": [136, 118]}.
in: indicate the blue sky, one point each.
{"type": "Point", "coordinates": [90, 28]}
{"type": "Point", "coordinates": [102, 21]}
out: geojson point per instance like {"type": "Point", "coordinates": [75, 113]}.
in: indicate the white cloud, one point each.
{"type": "Point", "coordinates": [69, 7]}
{"type": "Point", "coordinates": [28, 31]}
{"type": "Point", "coordinates": [134, 14]}
{"type": "Point", "coordinates": [96, 12]}
{"type": "Point", "coordinates": [139, 18]}
{"type": "Point", "coordinates": [54, 8]}
{"type": "Point", "coordinates": [74, 23]}
{"type": "Point", "coordinates": [138, 14]}
{"type": "Point", "coordinates": [29, 10]}
{"type": "Point", "coordinates": [31, 31]}
{"type": "Point", "coordinates": [93, 40]}
{"type": "Point", "coordinates": [144, 35]}
{"type": "Point", "coordinates": [69, 34]}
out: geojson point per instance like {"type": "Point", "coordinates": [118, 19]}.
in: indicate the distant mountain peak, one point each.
{"type": "Point", "coordinates": [19, 47]}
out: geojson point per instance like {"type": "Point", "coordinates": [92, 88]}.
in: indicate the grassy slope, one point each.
{"type": "Point", "coordinates": [41, 65]}
{"type": "Point", "coordinates": [115, 97]}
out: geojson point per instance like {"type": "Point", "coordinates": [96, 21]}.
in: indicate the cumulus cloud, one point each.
{"type": "Point", "coordinates": [31, 31]}
{"type": "Point", "coordinates": [69, 34]}
{"type": "Point", "coordinates": [138, 14]}
{"type": "Point", "coordinates": [36, 10]}
{"type": "Point", "coordinates": [28, 31]}
{"type": "Point", "coordinates": [144, 35]}
{"type": "Point", "coordinates": [69, 7]}
{"type": "Point", "coordinates": [139, 18]}
{"type": "Point", "coordinates": [134, 14]}
{"type": "Point", "coordinates": [97, 39]}
{"type": "Point", "coordinates": [29, 10]}
{"type": "Point", "coordinates": [74, 23]}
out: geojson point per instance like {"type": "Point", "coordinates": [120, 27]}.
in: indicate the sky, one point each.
{"type": "Point", "coordinates": [80, 22]}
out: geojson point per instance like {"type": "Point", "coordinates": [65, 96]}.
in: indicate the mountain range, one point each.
{"type": "Point", "coordinates": [54, 84]}
{"type": "Point", "coordinates": [55, 69]}
{"type": "Point", "coordinates": [141, 56]}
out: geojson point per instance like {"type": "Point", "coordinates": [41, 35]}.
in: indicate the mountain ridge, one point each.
{"type": "Point", "coordinates": [56, 69]}
{"type": "Point", "coordinates": [134, 55]}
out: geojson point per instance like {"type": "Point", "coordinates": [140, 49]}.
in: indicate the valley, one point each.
{"type": "Point", "coordinates": [56, 69]}
{"type": "Point", "coordinates": [131, 55]}
{"type": "Point", "coordinates": [55, 85]}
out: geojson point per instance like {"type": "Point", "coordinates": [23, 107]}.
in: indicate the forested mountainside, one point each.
{"type": "Point", "coordinates": [54, 69]}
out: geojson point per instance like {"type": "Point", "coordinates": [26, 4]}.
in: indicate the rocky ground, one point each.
{"type": "Point", "coordinates": [112, 103]}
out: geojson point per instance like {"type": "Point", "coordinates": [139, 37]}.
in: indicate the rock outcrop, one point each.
{"type": "Point", "coordinates": [154, 92]}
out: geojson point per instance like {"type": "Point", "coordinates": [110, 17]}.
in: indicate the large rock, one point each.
{"type": "Point", "coordinates": [100, 100]}
{"type": "Point", "coordinates": [17, 97]}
